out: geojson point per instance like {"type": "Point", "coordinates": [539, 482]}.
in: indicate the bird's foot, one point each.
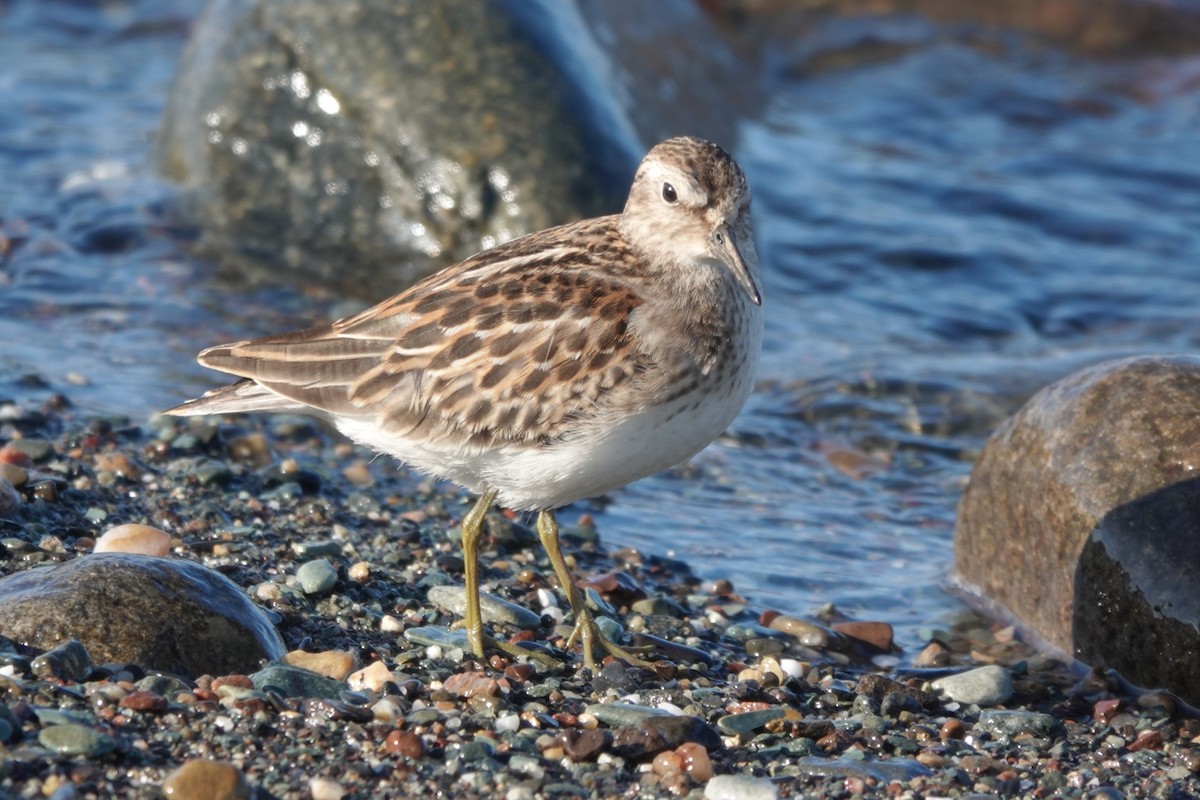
{"type": "Point", "coordinates": [480, 642]}
{"type": "Point", "coordinates": [588, 634]}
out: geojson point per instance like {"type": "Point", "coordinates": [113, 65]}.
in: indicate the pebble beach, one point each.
{"type": "Point", "coordinates": [357, 566]}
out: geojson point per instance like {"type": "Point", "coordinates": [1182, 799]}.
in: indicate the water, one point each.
{"type": "Point", "coordinates": [947, 223]}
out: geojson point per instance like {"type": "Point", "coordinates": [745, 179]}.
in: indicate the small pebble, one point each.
{"type": "Point", "coordinates": [453, 600]}
{"type": "Point", "coordinates": [740, 787]}
{"type": "Point", "coordinates": [404, 743]}
{"type": "Point", "coordinates": [68, 661]}
{"type": "Point", "coordinates": [336, 664]}
{"type": "Point", "coordinates": [372, 677]}
{"type": "Point", "coordinates": [134, 538]}
{"type": "Point", "coordinates": [74, 739]}
{"type": "Point", "coordinates": [317, 576]}
{"type": "Point", "coordinates": [325, 789]}
{"type": "Point", "coordinates": [201, 779]}
{"type": "Point", "coordinates": [984, 686]}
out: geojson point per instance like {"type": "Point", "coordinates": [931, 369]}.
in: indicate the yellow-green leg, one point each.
{"type": "Point", "coordinates": [472, 529]}
{"type": "Point", "coordinates": [585, 627]}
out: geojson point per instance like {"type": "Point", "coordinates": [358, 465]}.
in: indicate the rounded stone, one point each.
{"type": "Point", "coordinates": [76, 740]}
{"type": "Point", "coordinates": [202, 779]}
{"type": "Point", "coordinates": [163, 614]}
{"type": "Point", "coordinates": [986, 686]}
{"type": "Point", "coordinates": [1097, 476]}
{"type": "Point", "coordinates": [740, 787]}
{"type": "Point", "coordinates": [389, 138]}
{"type": "Point", "coordinates": [453, 599]}
{"type": "Point", "coordinates": [335, 664]}
{"type": "Point", "coordinates": [317, 576]}
{"type": "Point", "coordinates": [133, 538]}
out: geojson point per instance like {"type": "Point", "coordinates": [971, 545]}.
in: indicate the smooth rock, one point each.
{"type": "Point", "coordinates": [1096, 476]}
{"type": "Point", "coordinates": [372, 677]}
{"type": "Point", "coordinates": [68, 661]}
{"type": "Point", "coordinates": [453, 600]}
{"type": "Point", "coordinates": [740, 787]}
{"type": "Point", "coordinates": [384, 139]}
{"type": "Point", "coordinates": [293, 682]}
{"type": "Point", "coordinates": [335, 664]}
{"type": "Point", "coordinates": [619, 714]}
{"type": "Point", "coordinates": [985, 686]}
{"type": "Point", "coordinates": [202, 779]}
{"type": "Point", "coordinates": [134, 538]}
{"type": "Point", "coordinates": [164, 614]}
{"type": "Point", "coordinates": [76, 740]}
{"type": "Point", "coordinates": [749, 721]}
{"type": "Point", "coordinates": [1011, 723]}
{"type": "Point", "coordinates": [326, 789]}
{"type": "Point", "coordinates": [317, 576]}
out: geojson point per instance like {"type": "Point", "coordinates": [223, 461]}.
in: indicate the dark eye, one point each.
{"type": "Point", "coordinates": [669, 194]}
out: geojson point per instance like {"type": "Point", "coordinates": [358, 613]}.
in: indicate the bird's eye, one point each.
{"type": "Point", "coordinates": [669, 194]}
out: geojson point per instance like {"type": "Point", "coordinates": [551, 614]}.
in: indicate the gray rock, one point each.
{"type": "Point", "coordinates": [317, 576]}
{"type": "Point", "coordinates": [740, 787]}
{"type": "Point", "coordinates": [68, 661]}
{"type": "Point", "coordinates": [295, 682]}
{"type": "Point", "coordinates": [749, 721]}
{"type": "Point", "coordinates": [453, 599]}
{"type": "Point", "coordinates": [985, 686]}
{"type": "Point", "coordinates": [1094, 475]}
{"type": "Point", "coordinates": [388, 138]}
{"type": "Point", "coordinates": [76, 740]}
{"type": "Point", "coordinates": [620, 714]}
{"type": "Point", "coordinates": [159, 613]}
{"type": "Point", "coordinates": [1011, 723]}
{"type": "Point", "coordinates": [893, 770]}
{"type": "Point", "coordinates": [434, 636]}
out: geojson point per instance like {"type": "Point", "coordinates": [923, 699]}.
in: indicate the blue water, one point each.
{"type": "Point", "coordinates": [947, 223]}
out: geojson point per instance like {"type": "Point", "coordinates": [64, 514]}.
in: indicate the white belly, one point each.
{"type": "Point", "coordinates": [602, 455]}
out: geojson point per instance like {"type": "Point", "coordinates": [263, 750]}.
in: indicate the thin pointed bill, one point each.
{"type": "Point", "coordinates": [725, 247]}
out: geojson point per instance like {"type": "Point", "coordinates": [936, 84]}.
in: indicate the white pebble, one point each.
{"type": "Point", "coordinates": [546, 599]}
{"type": "Point", "coordinates": [740, 787]}
{"type": "Point", "coordinates": [508, 723]}
{"type": "Point", "coordinates": [792, 668]}
{"type": "Point", "coordinates": [326, 789]}
{"type": "Point", "coordinates": [985, 686]}
{"type": "Point", "coordinates": [390, 624]}
{"type": "Point", "coordinates": [387, 710]}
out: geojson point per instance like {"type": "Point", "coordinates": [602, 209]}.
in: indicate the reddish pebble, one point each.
{"type": "Point", "coordinates": [404, 743]}
{"type": "Point", "coordinates": [877, 634]}
{"type": "Point", "coordinates": [144, 701]}
{"type": "Point", "coordinates": [471, 684]}
{"type": "Point", "coordinates": [519, 672]}
{"type": "Point", "coordinates": [237, 681]}
{"type": "Point", "coordinates": [11, 455]}
{"type": "Point", "coordinates": [1104, 710]}
{"type": "Point", "coordinates": [1147, 740]}
{"type": "Point", "coordinates": [695, 761]}
{"type": "Point", "coordinates": [952, 729]}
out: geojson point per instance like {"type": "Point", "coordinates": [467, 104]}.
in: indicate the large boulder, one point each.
{"type": "Point", "coordinates": [365, 143]}
{"type": "Point", "coordinates": [159, 613]}
{"type": "Point", "coordinates": [1081, 518]}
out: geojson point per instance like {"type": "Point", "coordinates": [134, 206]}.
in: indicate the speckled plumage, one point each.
{"type": "Point", "coordinates": [558, 366]}
{"type": "Point", "coordinates": [540, 346]}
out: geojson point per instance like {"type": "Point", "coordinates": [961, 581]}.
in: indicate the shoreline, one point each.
{"type": "Point", "coordinates": [791, 706]}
